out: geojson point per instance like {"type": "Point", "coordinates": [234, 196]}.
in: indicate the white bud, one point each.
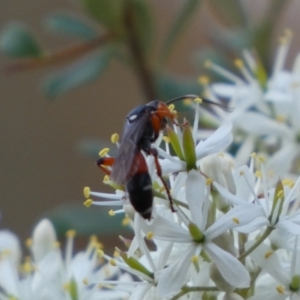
{"type": "Point", "coordinates": [225, 242]}
{"type": "Point", "coordinates": [43, 239]}
{"type": "Point", "coordinates": [219, 280]}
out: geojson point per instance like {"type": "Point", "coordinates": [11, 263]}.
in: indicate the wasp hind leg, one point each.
{"type": "Point", "coordinates": [159, 174]}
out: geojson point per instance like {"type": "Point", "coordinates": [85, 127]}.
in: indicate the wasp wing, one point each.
{"type": "Point", "coordinates": [124, 166]}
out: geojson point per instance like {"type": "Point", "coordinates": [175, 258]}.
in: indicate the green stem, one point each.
{"type": "Point", "coordinates": [189, 289]}
{"type": "Point", "coordinates": [142, 67]}
{"type": "Point", "coordinates": [257, 243]}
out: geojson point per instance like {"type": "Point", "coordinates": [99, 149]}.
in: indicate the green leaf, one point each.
{"type": "Point", "coordinates": [71, 25]}
{"type": "Point", "coordinates": [229, 12]}
{"type": "Point", "coordinates": [109, 13]}
{"type": "Point", "coordinates": [185, 15]}
{"type": "Point", "coordinates": [17, 41]}
{"type": "Point", "coordinates": [87, 221]}
{"type": "Point", "coordinates": [77, 74]}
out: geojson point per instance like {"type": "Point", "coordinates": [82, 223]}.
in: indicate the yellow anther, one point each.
{"type": "Point", "coordinates": [93, 238]}
{"type": "Point", "coordinates": [261, 158]}
{"type": "Point", "coordinates": [253, 155]}
{"type": "Point", "coordinates": [150, 235]}
{"type": "Point", "coordinates": [166, 139]}
{"type": "Point", "coordinates": [100, 286]}
{"type": "Point", "coordinates": [268, 254]}
{"type": "Point", "coordinates": [280, 289]}
{"type": "Point", "coordinates": [111, 213]}
{"type": "Point", "coordinates": [113, 262]}
{"type": "Point", "coordinates": [85, 281]}
{"type": "Point", "coordinates": [236, 220]}
{"type": "Point", "coordinates": [66, 287]}
{"type": "Point", "coordinates": [242, 173]}
{"type": "Point", "coordinates": [207, 64]}
{"type": "Point", "coordinates": [258, 174]}
{"type": "Point", "coordinates": [239, 63]}
{"type": "Point", "coordinates": [195, 259]}
{"type": "Point", "coordinates": [280, 118]}
{"type": "Point", "coordinates": [161, 189]}
{"type": "Point", "coordinates": [88, 202]}
{"type": "Point", "coordinates": [56, 245]}
{"type": "Point", "coordinates": [126, 221]}
{"type": "Point", "coordinates": [116, 253]}
{"type": "Point", "coordinates": [280, 194]}
{"type": "Point", "coordinates": [99, 245]}
{"type": "Point", "coordinates": [288, 32]}
{"type": "Point", "coordinates": [171, 107]}
{"type": "Point", "coordinates": [286, 181]}
{"type": "Point", "coordinates": [204, 80]}
{"type": "Point", "coordinates": [27, 265]}
{"type": "Point", "coordinates": [100, 252]}
{"type": "Point", "coordinates": [198, 100]}
{"type": "Point", "coordinates": [209, 181]}
{"type": "Point", "coordinates": [187, 101]}
{"type": "Point", "coordinates": [28, 243]}
{"type": "Point", "coordinates": [291, 185]}
{"type": "Point", "coordinates": [105, 179]}
{"type": "Point", "coordinates": [221, 154]}
{"type": "Point", "coordinates": [114, 138]}
{"type": "Point", "coordinates": [103, 152]}
{"type": "Point", "coordinates": [86, 192]}
{"type": "Point", "coordinates": [71, 233]}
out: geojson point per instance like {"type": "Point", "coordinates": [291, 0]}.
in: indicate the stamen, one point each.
{"type": "Point", "coordinates": [221, 71]}
{"type": "Point", "coordinates": [268, 254]}
{"type": "Point", "coordinates": [236, 220]}
{"type": "Point", "coordinates": [204, 80]}
{"type": "Point", "coordinates": [86, 192]}
{"type": "Point", "coordinates": [103, 152]}
{"type": "Point", "coordinates": [280, 289]}
{"type": "Point", "coordinates": [88, 202]}
{"type": "Point", "coordinates": [114, 138]}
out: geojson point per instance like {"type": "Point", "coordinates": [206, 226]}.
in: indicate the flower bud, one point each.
{"type": "Point", "coordinates": [225, 242]}
{"type": "Point", "coordinates": [218, 167]}
{"type": "Point", "coordinates": [219, 280]}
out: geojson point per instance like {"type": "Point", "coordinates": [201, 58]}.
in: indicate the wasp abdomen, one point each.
{"type": "Point", "coordinates": [139, 188]}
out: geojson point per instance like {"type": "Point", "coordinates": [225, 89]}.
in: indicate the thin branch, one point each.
{"type": "Point", "coordinates": [64, 55]}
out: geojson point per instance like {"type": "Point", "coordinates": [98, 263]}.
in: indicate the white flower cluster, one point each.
{"type": "Point", "coordinates": [235, 232]}
{"type": "Point", "coordinates": [47, 274]}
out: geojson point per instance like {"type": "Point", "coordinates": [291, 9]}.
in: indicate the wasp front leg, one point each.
{"type": "Point", "coordinates": [159, 174]}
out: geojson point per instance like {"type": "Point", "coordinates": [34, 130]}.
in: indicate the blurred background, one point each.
{"type": "Point", "coordinates": [71, 70]}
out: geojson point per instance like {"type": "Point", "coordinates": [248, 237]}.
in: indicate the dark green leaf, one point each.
{"type": "Point", "coordinates": [229, 12]}
{"type": "Point", "coordinates": [77, 74]}
{"type": "Point", "coordinates": [17, 41]}
{"type": "Point", "coordinates": [109, 13]}
{"type": "Point", "coordinates": [185, 15]}
{"type": "Point", "coordinates": [71, 25]}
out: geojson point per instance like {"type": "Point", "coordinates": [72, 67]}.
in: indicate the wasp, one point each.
{"type": "Point", "coordinates": [129, 168]}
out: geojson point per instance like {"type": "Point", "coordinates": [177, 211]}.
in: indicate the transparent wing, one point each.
{"type": "Point", "coordinates": [123, 166]}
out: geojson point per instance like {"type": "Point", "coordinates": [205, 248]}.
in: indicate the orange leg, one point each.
{"type": "Point", "coordinates": [105, 162]}
{"type": "Point", "coordinates": [159, 174]}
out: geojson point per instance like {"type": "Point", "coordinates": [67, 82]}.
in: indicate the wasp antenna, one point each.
{"type": "Point", "coordinates": [182, 98]}
{"type": "Point", "coordinates": [204, 100]}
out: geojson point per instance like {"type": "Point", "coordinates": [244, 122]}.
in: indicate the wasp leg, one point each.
{"type": "Point", "coordinates": [159, 174]}
{"type": "Point", "coordinates": [105, 162]}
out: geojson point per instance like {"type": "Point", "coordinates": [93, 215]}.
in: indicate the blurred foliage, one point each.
{"type": "Point", "coordinates": [126, 31]}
